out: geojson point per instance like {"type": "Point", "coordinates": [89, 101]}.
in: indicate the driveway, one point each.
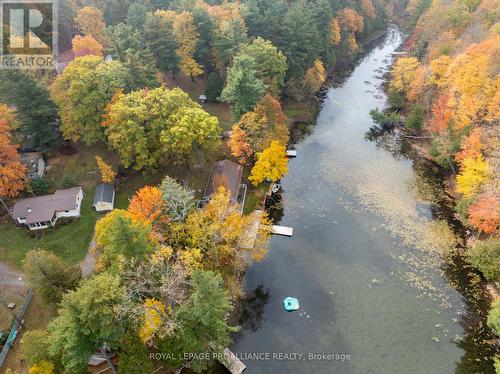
{"type": "Point", "coordinates": [10, 276]}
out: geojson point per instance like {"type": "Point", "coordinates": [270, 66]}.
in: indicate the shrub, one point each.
{"type": "Point", "coordinates": [396, 100]}
{"type": "Point", "coordinates": [67, 182]}
{"type": "Point", "coordinates": [34, 346]}
{"type": "Point", "coordinates": [462, 209]}
{"type": "Point", "coordinates": [486, 257]}
{"type": "Point", "coordinates": [415, 118]}
{"type": "Point", "coordinates": [386, 120]}
{"type": "Point", "coordinates": [494, 317]}
{"type": "Point", "coordinates": [40, 185]}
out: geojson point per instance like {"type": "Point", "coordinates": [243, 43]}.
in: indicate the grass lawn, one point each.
{"type": "Point", "coordinates": [70, 241]}
{"type": "Point", "coordinates": [38, 315]}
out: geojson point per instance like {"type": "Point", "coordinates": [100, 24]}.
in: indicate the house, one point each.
{"type": "Point", "coordinates": [104, 197]}
{"type": "Point", "coordinates": [35, 164]}
{"type": "Point", "coordinates": [227, 174]}
{"type": "Point", "coordinates": [43, 211]}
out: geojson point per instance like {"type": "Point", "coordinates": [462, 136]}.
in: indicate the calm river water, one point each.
{"type": "Point", "coordinates": [365, 260]}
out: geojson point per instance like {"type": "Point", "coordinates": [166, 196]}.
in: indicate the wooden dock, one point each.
{"type": "Point", "coordinates": [233, 363]}
{"type": "Point", "coordinates": [291, 153]}
{"type": "Point", "coordinates": [282, 230]}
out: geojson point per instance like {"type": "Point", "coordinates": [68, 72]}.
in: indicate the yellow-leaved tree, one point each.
{"type": "Point", "coordinates": [43, 367]}
{"type": "Point", "coordinates": [271, 164]}
{"type": "Point", "coordinates": [108, 174]}
{"type": "Point", "coordinates": [187, 36]}
{"type": "Point", "coordinates": [403, 74]}
{"type": "Point", "coordinates": [155, 312]}
{"type": "Point", "coordinates": [475, 171]}
{"type": "Point", "coordinates": [439, 67]}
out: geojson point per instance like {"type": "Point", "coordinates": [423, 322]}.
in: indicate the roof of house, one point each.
{"type": "Point", "coordinates": [104, 193]}
{"type": "Point", "coordinates": [43, 208]}
{"type": "Point", "coordinates": [226, 174]}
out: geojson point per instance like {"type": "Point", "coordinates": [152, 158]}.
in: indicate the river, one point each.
{"type": "Point", "coordinates": [366, 258]}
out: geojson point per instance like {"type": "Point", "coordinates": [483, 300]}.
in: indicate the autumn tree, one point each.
{"type": "Point", "coordinates": [335, 35]}
{"type": "Point", "coordinates": [368, 8]}
{"type": "Point", "coordinates": [86, 322]}
{"type": "Point", "coordinates": [108, 174]}
{"type": "Point", "coordinates": [403, 74]}
{"type": "Point", "coordinates": [471, 146]}
{"type": "Point", "coordinates": [307, 86]}
{"type": "Point", "coordinates": [8, 115]}
{"type": "Point", "coordinates": [255, 130]}
{"type": "Point", "coordinates": [119, 236]}
{"type": "Point", "coordinates": [243, 88]}
{"type": "Point", "coordinates": [90, 22]}
{"type": "Point", "coordinates": [50, 275]}
{"type": "Point", "coordinates": [12, 172]}
{"type": "Point", "coordinates": [43, 367]}
{"type": "Point", "coordinates": [441, 116]}
{"type": "Point", "coordinates": [438, 68]}
{"type": "Point", "coordinates": [187, 36]}
{"type": "Point", "coordinates": [351, 22]}
{"type": "Point", "coordinates": [147, 204]}
{"type": "Point", "coordinates": [473, 84]}
{"type": "Point", "coordinates": [271, 164]}
{"type": "Point", "coordinates": [484, 215]}
{"type": "Point", "coordinates": [145, 127]}
{"type": "Point", "coordinates": [474, 172]}
{"type": "Point", "coordinates": [238, 144]}
{"type": "Point", "coordinates": [86, 45]}
{"type": "Point", "coordinates": [82, 92]}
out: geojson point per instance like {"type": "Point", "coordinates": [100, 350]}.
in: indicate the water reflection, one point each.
{"type": "Point", "coordinates": [367, 260]}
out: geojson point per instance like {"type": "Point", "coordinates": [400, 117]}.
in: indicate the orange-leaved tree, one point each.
{"type": "Point", "coordinates": [441, 115]}
{"type": "Point", "coordinates": [86, 45]}
{"type": "Point", "coordinates": [12, 172]}
{"type": "Point", "coordinates": [471, 145]}
{"type": "Point", "coordinates": [147, 204]}
{"type": "Point", "coordinates": [484, 215]}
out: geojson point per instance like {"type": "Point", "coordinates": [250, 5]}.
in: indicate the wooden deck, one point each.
{"type": "Point", "coordinates": [233, 363]}
{"type": "Point", "coordinates": [282, 230]}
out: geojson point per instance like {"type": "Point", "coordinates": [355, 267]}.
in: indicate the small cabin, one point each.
{"type": "Point", "coordinates": [104, 197]}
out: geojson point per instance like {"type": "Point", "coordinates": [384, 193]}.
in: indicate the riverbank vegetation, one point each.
{"type": "Point", "coordinates": [130, 79]}
{"type": "Point", "coordinates": [446, 90]}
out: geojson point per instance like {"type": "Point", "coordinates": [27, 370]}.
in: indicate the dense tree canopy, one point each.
{"type": "Point", "coordinates": [147, 126]}
{"type": "Point", "coordinates": [82, 93]}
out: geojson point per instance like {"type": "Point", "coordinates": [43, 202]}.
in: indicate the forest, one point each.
{"type": "Point", "coordinates": [446, 92]}
{"type": "Point", "coordinates": [168, 275]}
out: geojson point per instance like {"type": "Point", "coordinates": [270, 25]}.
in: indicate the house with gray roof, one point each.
{"type": "Point", "coordinates": [41, 212]}
{"type": "Point", "coordinates": [104, 197]}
